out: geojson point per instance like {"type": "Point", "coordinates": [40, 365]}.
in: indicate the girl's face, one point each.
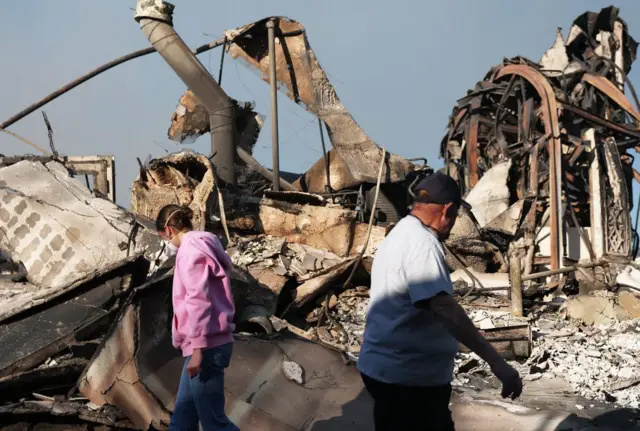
{"type": "Point", "coordinates": [169, 234]}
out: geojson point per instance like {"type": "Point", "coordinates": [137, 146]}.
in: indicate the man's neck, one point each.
{"type": "Point", "coordinates": [426, 224]}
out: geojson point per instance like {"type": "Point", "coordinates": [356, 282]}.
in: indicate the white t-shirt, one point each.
{"type": "Point", "coordinates": [404, 344]}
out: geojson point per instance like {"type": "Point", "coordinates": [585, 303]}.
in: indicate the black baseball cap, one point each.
{"type": "Point", "coordinates": [440, 189]}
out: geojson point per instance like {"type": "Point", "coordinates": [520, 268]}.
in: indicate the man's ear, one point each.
{"type": "Point", "coordinates": [446, 209]}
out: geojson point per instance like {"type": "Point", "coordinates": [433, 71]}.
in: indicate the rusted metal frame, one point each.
{"type": "Point", "coordinates": [521, 109]}
{"type": "Point", "coordinates": [495, 88]}
{"type": "Point", "coordinates": [498, 117]}
{"type": "Point", "coordinates": [527, 115]}
{"type": "Point", "coordinates": [471, 149]}
{"type": "Point", "coordinates": [456, 122]}
{"type": "Point", "coordinates": [503, 99]}
{"type": "Point", "coordinates": [524, 133]}
{"type": "Point", "coordinates": [611, 91]}
{"type": "Point", "coordinates": [454, 126]}
{"type": "Point", "coordinates": [531, 193]}
{"type": "Point", "coordinates": [625, 78]}
{"type": "Point", "coordinates": [508, 128]}
{"type": "Point", "coordinates": [552, 129]}
{"type": "Point", "coordinates": [530, 232]}
{"type": "Point", "coordinates": [600, 121]}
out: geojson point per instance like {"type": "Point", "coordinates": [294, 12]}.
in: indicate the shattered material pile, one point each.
{"type": "Point", "coordinates": [598, 359]}
{"type": "Point", "coordinates": [600, 364]}
{"type": "Point", "coordinates": [541, 150]}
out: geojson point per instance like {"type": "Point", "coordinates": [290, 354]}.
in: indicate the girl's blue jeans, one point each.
{"type": "Point", "coordinates": [201, 398]}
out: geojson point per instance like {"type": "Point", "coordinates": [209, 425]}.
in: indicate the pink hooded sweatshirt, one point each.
{"type": "Point", "coordinates": [203, 308]}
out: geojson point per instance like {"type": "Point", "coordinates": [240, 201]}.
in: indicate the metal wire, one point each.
{"type": "Point", "coordinates": [50, 133]}
{"type": "Point", "coordinates": [224, 46]}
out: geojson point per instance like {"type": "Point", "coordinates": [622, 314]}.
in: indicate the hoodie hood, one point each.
{"type": "Point", "coordinates": [210, 245]}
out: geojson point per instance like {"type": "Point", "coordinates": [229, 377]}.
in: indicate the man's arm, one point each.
{"type": "Point", "coordinates": [453, 317]}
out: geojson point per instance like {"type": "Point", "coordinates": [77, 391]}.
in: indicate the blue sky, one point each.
{"type": "Point", "coordinates": [397, 66]}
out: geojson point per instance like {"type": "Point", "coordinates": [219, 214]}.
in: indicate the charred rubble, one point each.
{"type": "Point", "coordinates": [544, 262]}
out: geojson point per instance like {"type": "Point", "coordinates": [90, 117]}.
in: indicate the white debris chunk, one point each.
{"type": "Point", "coordinates": [292, 371]}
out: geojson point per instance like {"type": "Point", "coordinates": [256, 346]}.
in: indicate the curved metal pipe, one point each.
{"type": "Point", "coordinates": [552, 131]}
{"type": "Point", "coordinates": [155, 18]}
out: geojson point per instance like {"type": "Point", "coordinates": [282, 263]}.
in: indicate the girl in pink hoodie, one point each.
{"type": "Point", "coordinates": [203, 312]}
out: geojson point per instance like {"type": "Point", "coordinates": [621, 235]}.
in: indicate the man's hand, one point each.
{"type": "Point", "coordinates": [193, 367]}
{"type": "Point", "coordinates": [511, 382]}
{"type": "Point", "coordinates": [448, 312]}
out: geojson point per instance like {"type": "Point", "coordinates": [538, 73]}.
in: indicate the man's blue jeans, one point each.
{"type": "Point", "coordinates": [201, 398]}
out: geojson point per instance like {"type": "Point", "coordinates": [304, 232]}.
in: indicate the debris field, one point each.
{"type": "Point", "coordinates": [544, 263]}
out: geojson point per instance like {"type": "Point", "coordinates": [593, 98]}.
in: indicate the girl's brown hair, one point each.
{"type": "Point", "coordinates": [176, 216]}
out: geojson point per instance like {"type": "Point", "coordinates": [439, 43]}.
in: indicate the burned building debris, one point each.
{"type": "Point", "coordinates": [185, 179]}
{"type": "Point", "coordinates": [544, 262]}
{"type": "Point", "coordinates": [554, 135]}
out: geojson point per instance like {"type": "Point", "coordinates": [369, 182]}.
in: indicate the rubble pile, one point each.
{"type": "Point", "coordinates": [541, 151]}
{"type": "Point", "coordinates": [283, 258]}
{"type": "Point", "coordinates": [599, 360]}
{"type": "Point", "coordinates": [600, 363]}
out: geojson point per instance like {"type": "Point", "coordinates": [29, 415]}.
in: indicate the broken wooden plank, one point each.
{"type": "Point", "coordinates": [57, 379]}
{"type": "Point", "coordinates": [511, 342]}
{"type": "Point", "coordinates": [310, 289]}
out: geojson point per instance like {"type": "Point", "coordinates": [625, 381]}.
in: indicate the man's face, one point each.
{"type": "Point", "coordinates": [447, 220]}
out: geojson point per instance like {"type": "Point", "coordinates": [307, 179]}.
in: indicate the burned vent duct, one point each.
{"type": "Point", "coordinates": [156, 20]}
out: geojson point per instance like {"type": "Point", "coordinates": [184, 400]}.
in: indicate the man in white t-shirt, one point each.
{"type": "Point", "coordinates": [414, 324]}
